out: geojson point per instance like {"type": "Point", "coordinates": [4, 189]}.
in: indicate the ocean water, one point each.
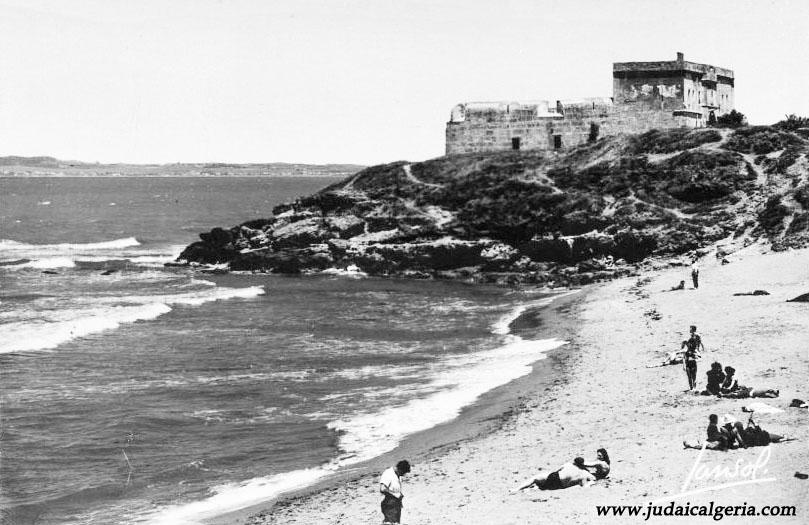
{"type": "Point", "coordinates": [135, 393]}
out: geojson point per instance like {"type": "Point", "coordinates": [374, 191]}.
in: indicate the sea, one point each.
{"type": "Point", "coordinates": [132, 392]}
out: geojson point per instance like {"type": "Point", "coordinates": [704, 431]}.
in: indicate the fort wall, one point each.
{"type": "Point", "coordinates": [646, 95]}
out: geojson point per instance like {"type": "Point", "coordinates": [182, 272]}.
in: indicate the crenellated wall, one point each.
{"type": "Point", "coordinates": [646, 95]}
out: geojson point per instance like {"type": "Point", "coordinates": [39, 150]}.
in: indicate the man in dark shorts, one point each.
{"type": "Point", "coordinates": [390, 484]}
{"type": "Point", "coordinates": [692, 347]}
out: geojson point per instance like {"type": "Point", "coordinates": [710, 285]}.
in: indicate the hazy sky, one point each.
{"type": "Point", "coordinates": [349, 81]}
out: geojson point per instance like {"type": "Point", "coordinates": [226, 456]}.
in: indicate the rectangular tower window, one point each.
{"type": "Point", "coordinates": [515, 143]}
{"type": "Point", "coordinates": [557, 142]}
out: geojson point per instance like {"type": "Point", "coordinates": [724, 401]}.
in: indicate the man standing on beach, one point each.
{"type": "Point", "coordinates": [695, 273]}
{"type": "Point", "coordinates": [692, 347]}
{"type": "Point", "coordinates": [390, 484]}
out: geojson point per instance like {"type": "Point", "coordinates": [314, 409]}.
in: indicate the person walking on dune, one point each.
{"type": "Point", "coordinates": [692, 346]}
{"type": "Point", "coordinates": [390, 484]}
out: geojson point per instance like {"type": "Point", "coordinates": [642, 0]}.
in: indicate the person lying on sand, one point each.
{"type": "Point", "coordinates": [753, 435]}
{"type": "Point", "coordinates": [680, 286]}
{"type": "Point", "coordinates": [569, 475]}
{"type": "Point", "coordinates": [732, 389]}
{"type": "Point", "coordinates": [744, 392]}
{"type": "Point", "coordinates": [600, 467]}
{"type": "Point", "coordinates": [672, 358]}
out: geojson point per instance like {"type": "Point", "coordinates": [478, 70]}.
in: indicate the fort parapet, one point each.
{"type": "Point", "coordinates": [646, 95]}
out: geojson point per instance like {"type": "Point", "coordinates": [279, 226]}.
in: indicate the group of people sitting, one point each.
{"type": "Point", "coordinates": [730, 433]}
{"type": "Point", "coordinates": [577, 473]}
{"type": "Point", "coordinates": [724, 384]}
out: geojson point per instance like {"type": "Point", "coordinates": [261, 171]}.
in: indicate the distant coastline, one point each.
{"type": "Point", "coordinates": [15, 166]}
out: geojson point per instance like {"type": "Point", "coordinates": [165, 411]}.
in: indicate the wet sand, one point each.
{"type": "Point", "coordinates": [597, 392]}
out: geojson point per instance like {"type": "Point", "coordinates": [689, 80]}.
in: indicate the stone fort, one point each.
{"type": "Point", "coordinates": [645, 95]}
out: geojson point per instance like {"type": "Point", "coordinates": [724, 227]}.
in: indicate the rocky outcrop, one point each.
{"type": "Point", "coordinates": [531, 216]}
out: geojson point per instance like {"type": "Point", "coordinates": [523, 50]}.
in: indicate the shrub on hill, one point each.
{"type": "Point", "coordinates": [771, 217]}
{"type": "Point", "coordinates": [670, 140]}
{"type": "Point", "coordinates": [734, 119]}
{"type": "Point", "coordinates": [792, 123]}
{"type": "Point", "coordinates": [760, 140]}
{"type": "Point", "coordinates": [801, 196]}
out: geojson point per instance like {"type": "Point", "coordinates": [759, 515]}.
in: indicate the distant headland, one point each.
{"type": "Point", "coordinates": [16, 166]}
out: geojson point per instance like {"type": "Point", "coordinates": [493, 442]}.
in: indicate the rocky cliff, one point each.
{"type": "Point", "coordinates": [571, 217]}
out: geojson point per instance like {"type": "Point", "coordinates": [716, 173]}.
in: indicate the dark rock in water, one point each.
{"type": "Point", "coordinates": [800, 299]}
{"type": "Point", "coordinates": [755, 292]}
{"type": "Point", "coordinates": [206, 252]}
{"type": "Point", "coordinates": [217, 236]}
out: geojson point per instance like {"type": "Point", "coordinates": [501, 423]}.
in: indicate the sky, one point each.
{"type": "Point", "coordinates": [360, 82]}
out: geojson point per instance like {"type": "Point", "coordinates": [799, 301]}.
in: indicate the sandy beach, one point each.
{"type": "Point", "coordinates": [599, 392]}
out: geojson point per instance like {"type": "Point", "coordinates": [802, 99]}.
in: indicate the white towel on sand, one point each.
{"type": "Point", "coordinates": [761, 408]}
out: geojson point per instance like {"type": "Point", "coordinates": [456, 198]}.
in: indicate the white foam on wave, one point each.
{"type": "Point", "coordinates": [46, 263]}
{"type": "Point", "coordinates": [501, 326]}
{"type": "Point", "coordinates": [44, 255]}
{"type": "Point", "coordinates": [126, 242]}
{"type": "Point", "coordinates": [236, 496]}
{"type": "Point", "coordinates": [64, 325]}
{"type": "Point", "coordinates": [369, 435]}
{"type": "Point", "coordinates": [45, 335]}
{"type": "Point", "coordinates": [350, 271]}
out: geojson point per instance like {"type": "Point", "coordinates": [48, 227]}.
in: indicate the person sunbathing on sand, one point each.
{"type": "Point", "coordinates": [600, 467]}
{"type": "Point", "coordinates": [680, 286]}
{"type": "Point", "coordinates": [569, 475]}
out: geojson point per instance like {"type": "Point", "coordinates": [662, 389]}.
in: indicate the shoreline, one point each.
{"type": "Point", "coordinates": [600, 393]}
{"type": "Point", "coordinates": [487, 415]}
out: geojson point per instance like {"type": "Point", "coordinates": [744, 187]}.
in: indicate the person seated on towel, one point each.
{"type": "Point", "coordinates": [719, 438]}
{"type": "Point", "coordinates": [715, 379]}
